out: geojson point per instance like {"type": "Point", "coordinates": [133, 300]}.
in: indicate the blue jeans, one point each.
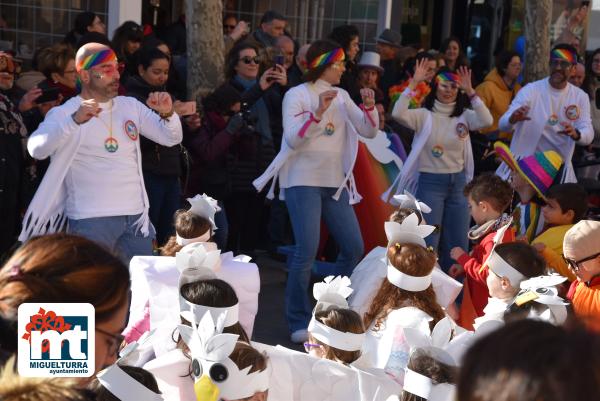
{"type": "Point", "coordinates": [449, 211]}
{"type": "Point", "coordinates": [164, 195]}
{"type": "Point", "coordinates": [116, 233]}
{"type": "Point", "coordinates": [306, 206]}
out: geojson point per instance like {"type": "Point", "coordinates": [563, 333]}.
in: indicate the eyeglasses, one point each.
{"type": "Point", "coordinates": [309, 346]}
{"type": "Point", "coordinates": [248, 60]}
{"type": "Point", "coordinates": [117, 340]}
{"type": "Point", "coordinates": [576, 264]}
{"type": "Point", "coordinates": [560, 63]}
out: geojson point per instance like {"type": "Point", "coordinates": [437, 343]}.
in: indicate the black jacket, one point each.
{"type": "Point", "coordinates": [156, 159]}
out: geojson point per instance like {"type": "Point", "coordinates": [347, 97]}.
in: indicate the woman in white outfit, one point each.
{"type": "Point", "coordinates": [321, 127]}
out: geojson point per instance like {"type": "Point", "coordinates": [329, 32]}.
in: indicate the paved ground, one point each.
{"type": "Point", "coordinates": [270, 326]}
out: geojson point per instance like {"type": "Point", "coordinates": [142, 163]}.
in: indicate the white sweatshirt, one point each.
{"type": "Point", "coordinates": [444, 132]}
{"type": "Point", "coordinates": [96, 182]}
{"type": "Point", "coordinates": [318, 157]}
{"type": "Point", "coordinates": [571, 105]}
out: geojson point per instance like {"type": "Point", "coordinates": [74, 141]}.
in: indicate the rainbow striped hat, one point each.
{"type": "Point", "coordinates": [563, 54]}
{"type": "Point", "coordinates": [539, 169]}
{"type": "Point", "coordinates": [447, 76]}
{"type": "Point", "coordinates": [330, 57]}
{"type": "Point", "coordinates": [103, 56]}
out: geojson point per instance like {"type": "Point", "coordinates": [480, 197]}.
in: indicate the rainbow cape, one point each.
{"type": "Point", "coordinates": [372, 179]}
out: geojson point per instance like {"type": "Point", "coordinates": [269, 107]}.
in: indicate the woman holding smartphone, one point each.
{"type": "Point", "coordinates": [161, 165]}
{"type": "Point", "coordinates": [321, 125]}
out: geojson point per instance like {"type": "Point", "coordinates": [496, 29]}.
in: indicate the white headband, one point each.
{"type": "Point", "coordinates": [503, 269]}
{"type": "Point", "coordinates": [231, 312]}
{"type": "Point", "coordinates": [186, 241]}
{"type": "Point", "coordinates": [125, 387]}
{"type": "Point", "coordinates": [335, 338]}
{"type": "Point", "coordinates": [406, 282]}
{"type": "Point", "coordinates": [422, 386]}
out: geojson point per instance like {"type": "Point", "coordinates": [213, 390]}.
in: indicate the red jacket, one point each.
{"type": "Point", "coordinates": [476, 272]}
{"type": "Point", "coordinates": [586, 302]}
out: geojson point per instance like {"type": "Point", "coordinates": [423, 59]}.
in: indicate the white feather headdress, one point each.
{"type": "Point", "coordinates": [333, 291]}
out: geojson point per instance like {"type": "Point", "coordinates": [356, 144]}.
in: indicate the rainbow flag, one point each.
{"type": "Point", "coordinates": [373, 179]}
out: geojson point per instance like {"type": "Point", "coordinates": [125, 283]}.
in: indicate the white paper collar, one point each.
{"type": "Point", "coordinates": [407, 282]}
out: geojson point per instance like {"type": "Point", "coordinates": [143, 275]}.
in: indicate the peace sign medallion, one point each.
{"type": "Point", "coordinates": [111, 145]}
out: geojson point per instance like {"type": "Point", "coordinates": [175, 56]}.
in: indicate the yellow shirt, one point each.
{"type": "Point", "coordinates": [553, 239]}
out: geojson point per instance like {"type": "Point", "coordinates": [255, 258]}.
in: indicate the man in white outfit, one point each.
{"type": "Point", "coordinates": [550, 114]}
{"type": "Point", "coordinates": [95, 180]}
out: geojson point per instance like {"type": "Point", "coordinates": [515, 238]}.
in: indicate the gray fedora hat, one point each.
{"type": "Point", "coordinates": [390, 37]}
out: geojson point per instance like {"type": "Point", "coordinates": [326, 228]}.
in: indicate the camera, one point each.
{"type": "Point", "coordinates": [249, 119]}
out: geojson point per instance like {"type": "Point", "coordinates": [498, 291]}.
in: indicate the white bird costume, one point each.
{"type": "Point", "coordinates": [385, 346]}
{"type": "Point", "coordinates": [155, 280]}
{"type": "Point", "coordinates": [372, 270]}
{"type": "Point", "coordinates": [297, 376]}
{"type": "Point", "coordinates": [209, 374]}
{"type": "Point", "coordinates": [447, 343]}
{"type": "Point", "coordinates": [542, 290]}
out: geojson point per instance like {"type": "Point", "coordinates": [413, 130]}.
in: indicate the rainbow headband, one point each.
{"type": "Point", "coordinates": [103, 56]}
{"type": "Point", "coordinates": [328, 58]}
{"type": "Point", "coordinates": [563, 54]}
{"type": "Point", "coordinates": [447, 76]}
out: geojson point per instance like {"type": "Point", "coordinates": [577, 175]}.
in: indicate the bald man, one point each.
{"type": "Point", "coordinates": [296, 71]}
{"type": "Point", "coordinates": [578, 75]}
{"type": "Point", "coordinates": [94, 182]}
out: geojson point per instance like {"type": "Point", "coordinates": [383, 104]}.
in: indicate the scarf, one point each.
{"type": "Point", "coordinates": [479, 231]}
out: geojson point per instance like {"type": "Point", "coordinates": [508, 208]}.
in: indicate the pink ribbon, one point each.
{"type": "Point", "coordinates": [304, 128]}
{"type": "Point", "coordinates": [366, 111]}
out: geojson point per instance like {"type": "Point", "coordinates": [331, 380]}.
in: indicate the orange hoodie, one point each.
{"type": "Point", "coordinates": [497, 97]}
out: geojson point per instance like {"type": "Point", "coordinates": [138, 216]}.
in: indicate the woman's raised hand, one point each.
{"type": "Point", "coordinates": [420, 72]}
{"type": "Point", "coordinates": [464, 82]}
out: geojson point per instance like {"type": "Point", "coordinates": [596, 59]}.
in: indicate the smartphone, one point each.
{"type": "Point", "coordinates": [278, 59]}
{"type": "Point", "coordinates": [48, 95]}
{"type": "Point", "coordinates": [186, 108]}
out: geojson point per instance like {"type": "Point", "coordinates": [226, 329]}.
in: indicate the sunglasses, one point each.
{"type": "Point", "coordinates": [560, 63]}
{"type": "Point", "coordinates": [248, 60]}
{"type": "Point", "coordinates": [309, 346]}
{"type": "Point", "coordinates": [576, 264]}
{"type": "Point", "coordinates": [116, 341]}
{"type": "Point", "coordinates": [230, 27]}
